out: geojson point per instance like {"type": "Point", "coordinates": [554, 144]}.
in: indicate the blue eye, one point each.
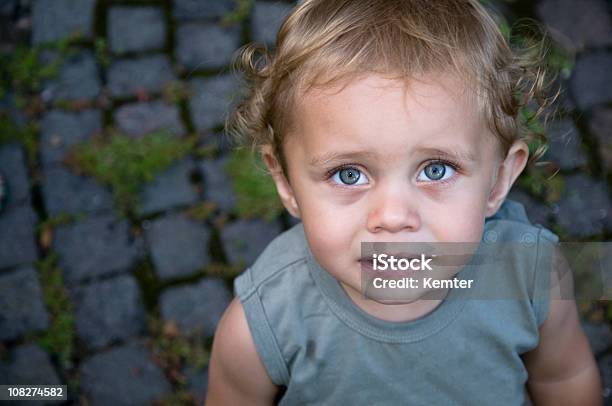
{"type": "Point", "coordinates": [349, 176]}
{"type": "Point", "coordinates": [436, 171]}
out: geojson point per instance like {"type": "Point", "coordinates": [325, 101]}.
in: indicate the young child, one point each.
{"type": "Point", "coordinates": [392, 121]}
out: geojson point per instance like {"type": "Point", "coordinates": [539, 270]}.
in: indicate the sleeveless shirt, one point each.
{"type": "Point", "coordinates": [324, 350]}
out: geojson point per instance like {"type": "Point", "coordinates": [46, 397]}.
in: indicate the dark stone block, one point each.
{"type": "Point", "coordinates": [95, 247]}
{"type": "Point", "coordinates": [28, 364]}
{"type": "Point", "coordinates": [61, 130]}
{"type": "Point", "coordinates": [179, 245]}
{"type": "Point", "coordinates": [14, 168]}
{"type": "Point", "coordinates": [197, 383]}
{"type": "Point", "coordinates": [123, 376]}
{"type": "Point", "coordinates": [54, 20]}
{"type": "Point", "coordinates": [206, 45]}
{"type": "Point", "coordinates": [244, 240]}
{"type": "Point", "coordinates": [212, 99]}
{"type": "Point", "coordinates": [196, 309]}
{"type": "Point", "coordinates": [18, 237]}
{"type": "Point", "coordinates": [108, 311]}
{"type": "Point", "coordinates": [599, 335]}
{"type": "Point", "coordinates": [127, 77]}
{"type": "Point", "coordinates": [21, 304]}
{"type": "Point", "coordinates": [565, 147]}
{"type": "Point", "coordinates": [136, 29]}
{"type": "Point", "coordinates": [78, 80]}
{"type": "Point", "coordinates": [218, 184]}
{"type": "Point", "coordinates": [591, 82]}
{"type": "Point", "coordinates": [65, 192]}
{"type": "Point", "coordinates": [605, 370]}
{"type": "Point", "coordinates": [172, 188]}
{"type": "Point", "coordinates": [601, 126]}
{"type": "Point", "coordinates": [538, 213]}
{"type": "Point", "coordinates": [584, 207]}
{"type": "Point", "coordinates": [138, 119]}
{"type": "Point", "coordinates": [190, 9]}
{"type": "Point", "coordinates": [267, 19]}
{"type": "Point", "coordinates": [577, 24]}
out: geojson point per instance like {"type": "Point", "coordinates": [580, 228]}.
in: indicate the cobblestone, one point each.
{"type": "Point", "coordinates": [600, 124]}
{"type": "Point", "coordinates": [197, 383]}
{"type": "Point", "coordinates": [136, 29]}
{"type": "Point", "coordinates": [149, 74]}
{"type": "Point", "coordinates": [18, 316]}
{"type": "Point", "coordinates": [78, 80]}
{"type": "Point", "coordinates": [17, 237]}
{"type": "Point", "coordinates": [584, 208]}
{"type": "Point", "coordinates": [108, 311]}
{"type": "Point", "coordinates": [206, 45]}
{"type": "Point", "coordinates": [577, 24]}
{"type": "Point", "coordinates": [565, 148]}
{"type": "Point", "coordinates": [196, 9]}
{"type": "Point", "coordinates": [244, 240]}
{"type": "Point", "coordinates": [95, 247]}
{"type": "Point", "coordinates": [138, 119]}
{"type": "Point", "coordinates": [13, 166]}
{"type": "Point", "coordinates": [54, 20]}
{"type": "Point", "coordinates": [61, 130]}
{"type": "Point", "coordinates": [172, 188]}
{"type": "Point", "coordinates": [65, 192]}
{"type": "Point", "coordinates": [591, 82]}
{"type": "Point", "coordinates": [267, 19]}
{"type": "Point", "coordinates": [217, 184]}
{"type": "Point", "coordinates": [196, 308]}
{"type": "Point", "coordinates": [211, 100]}
{"type": "Point", "coordinates": [123, 376]}
{"type": "Point", "coordinates": [183, 254]}
{"type": "Point", "coordinates": [28, 364]}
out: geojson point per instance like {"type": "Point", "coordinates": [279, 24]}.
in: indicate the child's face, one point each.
{"type": "Point", "coordinates": [380, 162]}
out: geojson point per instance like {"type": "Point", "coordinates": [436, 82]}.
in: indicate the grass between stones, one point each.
{"type": "Point", "coordinates": [239, 14]}
{"type": "Point", "coordinates": [126, 164]}
{"type": "Point", "coordinates": [60, 337]}
{"type": "Point", "coordinates": [255, 191]}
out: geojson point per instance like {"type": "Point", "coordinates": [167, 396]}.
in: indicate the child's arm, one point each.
{"type": "Point", "coordinates": [562, 369]}
{"type": "Point", "coordinates": [236, 374]}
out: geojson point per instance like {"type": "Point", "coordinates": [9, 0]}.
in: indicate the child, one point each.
{"type": "Point", "coordinates": [391, 121]}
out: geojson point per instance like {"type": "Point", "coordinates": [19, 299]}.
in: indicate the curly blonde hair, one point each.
{"type": "Point", "coordinates": [323, 42]}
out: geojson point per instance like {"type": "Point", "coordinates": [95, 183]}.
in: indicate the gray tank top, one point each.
{"type": "Point", "coordinates": [324, 350]}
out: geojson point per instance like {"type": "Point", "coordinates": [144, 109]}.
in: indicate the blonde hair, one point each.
{"type": "Point", "coordinates": [323, 42]}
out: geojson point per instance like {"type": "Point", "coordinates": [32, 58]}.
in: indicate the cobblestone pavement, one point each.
{"type": "Point", "coordinates": [140, 307]}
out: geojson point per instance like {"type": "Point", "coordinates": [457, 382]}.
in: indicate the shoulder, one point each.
{"type": "Point", "coordinates": [286, 252]}
{"type": "Point", "coordinates": [237, 374]}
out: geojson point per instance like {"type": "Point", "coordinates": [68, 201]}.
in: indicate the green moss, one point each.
{"type": "Point", "coordinates": [255, 191]}
{"type": "Point", "coordinates": [540, 182]}
{"type": "Point", "coordinates": [59, 338]}
{"type": "Point", "coordinates": [23, 72]}
{"type": "Point", "coordinates": [126, 164]}
{"type": "Point", "coordinates": [201, 211]}
{"type": "Point", "coordinates": [24, 135]}
{"type": "Point", "coordinates": [175, 92]}
{"type": "Point", "coordinates": [102, 51]}
{"type": "Point", "coordinates": [176, 350]}
{"type": "Point", "coordinates": [239, 14]}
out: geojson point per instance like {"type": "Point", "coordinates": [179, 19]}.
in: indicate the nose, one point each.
{"type": "Point", "coordinates": [393, 209]}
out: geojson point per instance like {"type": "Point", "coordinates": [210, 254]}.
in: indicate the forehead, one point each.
{"type": "Point", "coordinates": [390, 115]}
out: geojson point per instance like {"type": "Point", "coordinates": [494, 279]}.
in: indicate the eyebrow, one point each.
{"type": "Point", "coordinates": [454, 154]}
{"type": "Point", "coordinates": [328, 157]}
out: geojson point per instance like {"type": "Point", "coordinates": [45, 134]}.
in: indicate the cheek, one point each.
{"type": "Point", "coordinates": [461, 221]}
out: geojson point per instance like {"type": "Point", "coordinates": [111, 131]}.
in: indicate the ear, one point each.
{"type": "Point", "coordinates": [284, 189]}
{"type": "Point", "coordinates": [507, 172]}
